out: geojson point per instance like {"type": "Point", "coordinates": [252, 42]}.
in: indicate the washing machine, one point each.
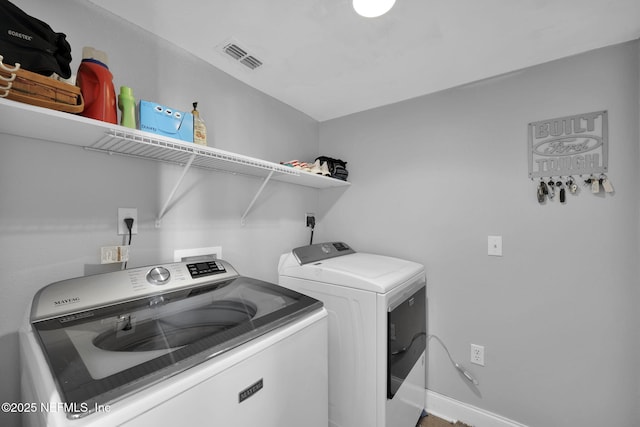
{"type": "Point", "coordinates": [377, 331]}
{"type": "Point", "coordinates": [174, 343]}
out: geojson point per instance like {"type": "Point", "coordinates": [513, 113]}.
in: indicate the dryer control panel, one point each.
{"type": "Point", "coordinates": [321, 251]}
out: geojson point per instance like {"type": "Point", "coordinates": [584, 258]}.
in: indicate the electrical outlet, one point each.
{"type": "Point", "coordinates": [477, 354]}
{"type": "Point", "coordinates": [310, 219]}
{"type": "Point", "coordinates": [127, 213]}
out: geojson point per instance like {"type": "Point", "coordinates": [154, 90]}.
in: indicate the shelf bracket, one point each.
{"type": "Point", "coordinates": [173, 192]}
{"type": "Point", "coordinates": [264, 183]}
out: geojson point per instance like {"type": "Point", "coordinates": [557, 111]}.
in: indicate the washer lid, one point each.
{"type": "Point", "coordinates": [369, 272]}
{"type": "Point", "coordinates": [102, 355]}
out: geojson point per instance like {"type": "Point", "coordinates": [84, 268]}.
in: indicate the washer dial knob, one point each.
{"type": "Point", "coordinates": [158, 276]}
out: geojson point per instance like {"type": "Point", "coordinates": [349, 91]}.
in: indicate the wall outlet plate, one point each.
{"type": "Point", "coordinates": [127, 213]}
{"type": "Point", "coordinates": [308, 217]}
{"type": "Point", "coordinates": [477, 354]}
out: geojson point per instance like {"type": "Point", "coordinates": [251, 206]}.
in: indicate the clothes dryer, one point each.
{"type": "Point", "coordinates": [377, 331]}
{"type": "Point", "coordinates": [166, 344]}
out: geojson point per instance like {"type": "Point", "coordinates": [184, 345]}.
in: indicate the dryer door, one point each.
{"type": "Point", "coordinates": [406, 337]}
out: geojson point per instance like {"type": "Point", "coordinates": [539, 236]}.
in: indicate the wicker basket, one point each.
{"type": "Point", "coordinates": [35, 89]}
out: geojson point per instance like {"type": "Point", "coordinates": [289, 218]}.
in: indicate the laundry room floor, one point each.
{"type": "Point", "coordinates": [433, 421]}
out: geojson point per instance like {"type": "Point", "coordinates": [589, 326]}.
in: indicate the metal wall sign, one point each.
{"type": "Point", "coordinates": [572, 145]}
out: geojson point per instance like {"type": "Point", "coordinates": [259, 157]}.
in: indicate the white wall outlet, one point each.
{"type": "Point", "coordinates": [477, 354]}
{"type": "Point", "coordinates": [127, 213]}
{"type": "Point", "coordinates": [494, 245]}
{"type": "Point", "coordinates": [111, 254]}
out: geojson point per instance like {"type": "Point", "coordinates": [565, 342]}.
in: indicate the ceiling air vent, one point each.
{"type": "Point", "coordinates": [251, 62]}
{"type": "Point", "coordinates": [235, 51]}
{"type": "Point", "coordinates": [241, 55]}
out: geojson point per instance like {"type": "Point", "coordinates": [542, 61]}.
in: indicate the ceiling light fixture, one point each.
{"type": "Point", "coordinates": [372, 8]}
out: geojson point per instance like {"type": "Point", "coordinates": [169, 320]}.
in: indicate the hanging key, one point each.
{"type": "Point", "coordinates": [551, 184]}
{"type": "Point", "coordinates": [595, 185]}
{"type": "Point", "coordinates": [606, 184]}
{"type": "Point", "coordinates": [540, 193]}
{"type": "Point", "coordinates": [562, 192]}
{"type": "Point", "coordinates": [571, 185]}
{"type": "Point", "coordinates": [543, 187]}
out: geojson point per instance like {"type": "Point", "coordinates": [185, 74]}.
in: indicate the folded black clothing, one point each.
{"type": "Point", "coordinates": [337, 167]}
{"type": "Point", "coordinates": [340, 172]}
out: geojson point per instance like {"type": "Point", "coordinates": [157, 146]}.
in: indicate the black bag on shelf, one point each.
{"type": "Point", "coordinates": [32, 43]}
{"type": "Point", "coordinates": [337, 168]}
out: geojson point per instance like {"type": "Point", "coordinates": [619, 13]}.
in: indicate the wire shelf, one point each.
{"type": "Point", "coordinates": [55, 126]}
{"type": "Point", "coordinates": [34, 122]}
{"type": "Point", "coordinates": [143, 145]}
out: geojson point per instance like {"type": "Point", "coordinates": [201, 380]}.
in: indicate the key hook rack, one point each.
{"type": "Point", "coordinates": [563, 147]}
{"type": "Point", "coordinates": [550, 187]}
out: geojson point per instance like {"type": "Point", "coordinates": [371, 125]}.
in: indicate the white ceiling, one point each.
{"type": "Point", "coordinates": [323, 59]}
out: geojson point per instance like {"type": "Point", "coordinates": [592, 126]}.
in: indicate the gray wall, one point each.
{"type": "Point", "coordinates": [434, 176]}
{"type": "Point", "coordinates": [59, 202]}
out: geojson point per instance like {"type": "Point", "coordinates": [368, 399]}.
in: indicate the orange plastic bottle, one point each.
{"type": "Point", "coordinates": [96, 84]}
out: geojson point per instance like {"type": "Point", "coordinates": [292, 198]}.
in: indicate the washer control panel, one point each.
{"type": "Point", "coordinates": [70, 296]}
{"type": "Point", "coordinates": [158, 276]}
{"type": "Point", "coordinates": [207, 268]}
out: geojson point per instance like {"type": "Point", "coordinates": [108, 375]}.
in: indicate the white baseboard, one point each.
{"type": "Point", "coordinates": [453, 410]}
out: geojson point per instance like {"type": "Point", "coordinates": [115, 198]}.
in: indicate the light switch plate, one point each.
{"type": "Point", "coordinates": [494, 245]}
